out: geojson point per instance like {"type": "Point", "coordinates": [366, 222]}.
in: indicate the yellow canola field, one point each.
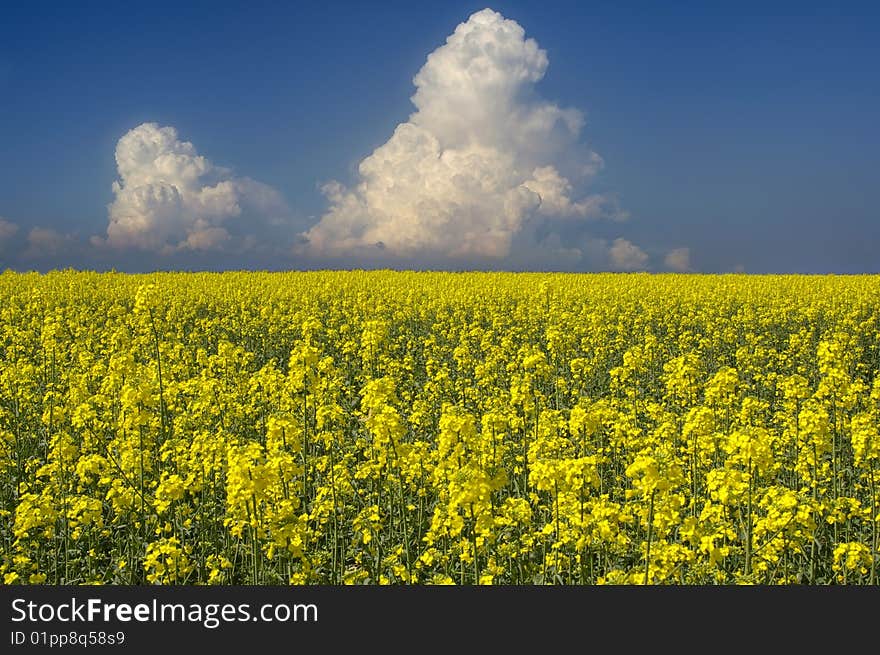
{"type": "Point", "coordinates": [423, 428]}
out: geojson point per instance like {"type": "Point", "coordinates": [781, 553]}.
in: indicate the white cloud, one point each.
{"type": "Point", "coordinates": [554, 194]}
{"type": "Point", "coordinates": [478, 161]}
{"type": "Point", "coordinates": [7, 230]}
{"type": "Point", "coordinates": [46, 242]}
{"type": "Point", "coordinates": [170, 198]}
{"type": "Point", "coordinates": [626, 256]}
{"type": "Point", "coordinates": [678, 260]}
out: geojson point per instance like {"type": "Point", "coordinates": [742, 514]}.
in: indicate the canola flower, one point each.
{"type": "Point", "coordinates": [439, 428]}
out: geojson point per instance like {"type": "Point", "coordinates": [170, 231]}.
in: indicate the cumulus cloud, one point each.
{"type": "Point", "coordinates": [678, 260]}
{"type": "Point", "coordinates": [169, 198]}
{"type": "Point", "coordinates": [43, 242]}
{"type": "Point", "coordinates": [478, 162]}
{"type": "Point", "coordinates": [626, 256]}
{"type": "Point", "coordinates": [8, 230]}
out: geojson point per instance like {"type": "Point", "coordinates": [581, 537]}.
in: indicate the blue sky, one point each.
{"type": "Point", "coordinates": [732, 136]}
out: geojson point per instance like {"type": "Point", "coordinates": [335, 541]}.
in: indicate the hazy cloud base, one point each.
{"type": "Point", "coordinates": [8, 229]}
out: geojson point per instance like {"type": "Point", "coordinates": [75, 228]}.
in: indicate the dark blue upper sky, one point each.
{"type": "Point", "coordinates": [744, 131]}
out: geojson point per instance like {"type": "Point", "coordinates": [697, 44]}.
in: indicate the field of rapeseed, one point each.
{"type": "Point", "coordinates": [379, 427]}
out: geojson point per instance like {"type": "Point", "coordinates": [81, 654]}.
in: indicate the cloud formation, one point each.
{"type": "Point", "coordinates": [477, 163]}
{"type": "Point", "coordinates": [45, 242]}
{"type": "Point", "coordinates": [626, 256]}
{"type": "Point", "coordinates": [169, 198]}
{"type": "Point", "coordinates": [678, 260]}
{"type": "Point", "coordinates": [8, 230]}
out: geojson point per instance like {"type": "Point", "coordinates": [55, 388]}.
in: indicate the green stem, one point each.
{"type": "Point", "coordinates": [749, 523]}
{"type": "Point", "coordinates": [873, 530]}
{"type": "Point", "coordinates": [650, 536]}
{"type": "Point", "coordinates": [162, 412]}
